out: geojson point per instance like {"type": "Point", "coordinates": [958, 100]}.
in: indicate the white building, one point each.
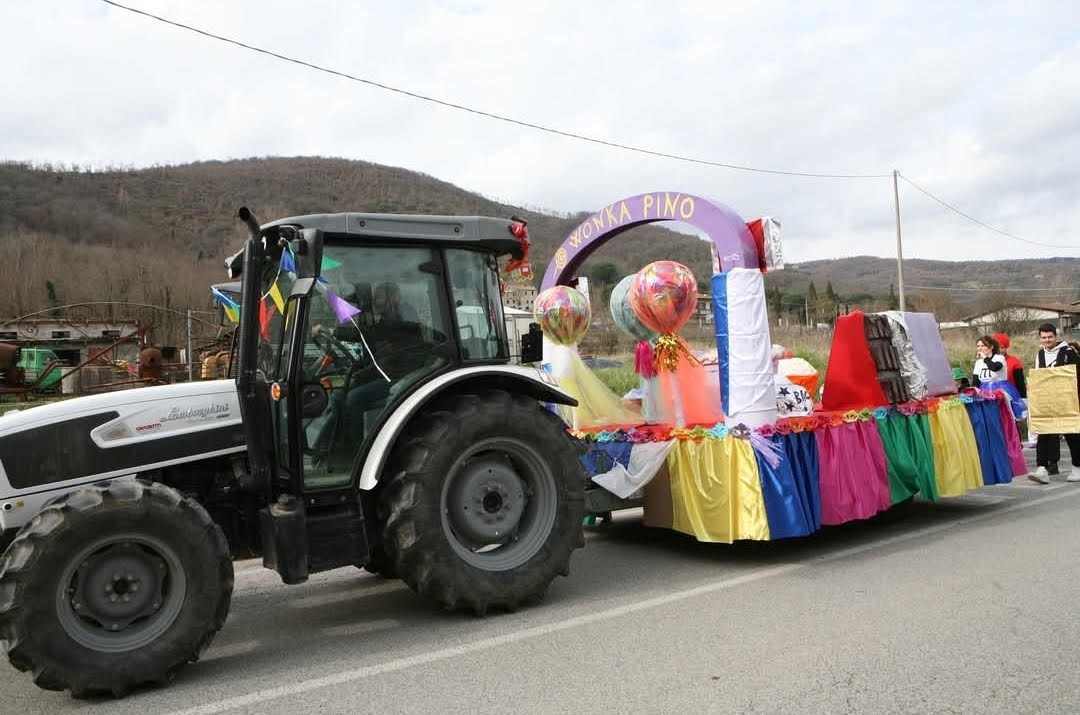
{"type": "Point", "coordinates": [73, 340]}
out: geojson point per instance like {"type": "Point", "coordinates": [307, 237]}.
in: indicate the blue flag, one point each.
{"type": "Point", "coordinates": [223, 299]}
{"type": "Point", "coordinates": [288, 264]}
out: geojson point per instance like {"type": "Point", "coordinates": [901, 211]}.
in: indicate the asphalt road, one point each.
{"type": "Point", "coordinates": [968, 605]}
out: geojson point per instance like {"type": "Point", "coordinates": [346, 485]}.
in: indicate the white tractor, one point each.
{"type": "Point", "coordinates": [374, 422]}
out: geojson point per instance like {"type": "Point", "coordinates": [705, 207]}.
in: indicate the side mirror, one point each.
{"type": "Point", "coordinates": [532, 344]}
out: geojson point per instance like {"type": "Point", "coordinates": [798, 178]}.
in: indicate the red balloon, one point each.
{"type": "Point", "coordinates": [664, 295]}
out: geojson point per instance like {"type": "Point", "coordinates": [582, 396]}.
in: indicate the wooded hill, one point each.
{"type": "Point", "coordinates": [158, 235]}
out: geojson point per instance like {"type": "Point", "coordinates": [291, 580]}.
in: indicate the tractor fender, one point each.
{"type": "Point", "coordinates": [531, 381]}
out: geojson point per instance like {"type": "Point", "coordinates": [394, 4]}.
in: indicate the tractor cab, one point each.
{"type": "Point", "coordinates": [346, 319]}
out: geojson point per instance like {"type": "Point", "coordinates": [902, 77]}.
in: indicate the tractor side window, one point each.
{"type": "Point", "coordinates": [474, 282]}
{"type": "Point", "coordinates": [275, 322]}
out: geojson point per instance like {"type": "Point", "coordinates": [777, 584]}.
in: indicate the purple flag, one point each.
{"type": "Point", "coordinates": [343, 309]}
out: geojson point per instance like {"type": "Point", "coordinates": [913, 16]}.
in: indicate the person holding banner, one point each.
{"type": "Point", "coordinates": [1054, 396]}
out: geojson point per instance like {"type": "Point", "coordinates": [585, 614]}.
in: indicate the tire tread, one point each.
{"type": "Point", "coordinates": [413, 536]}
{"type": "Point", "coordinates": [29, 554]}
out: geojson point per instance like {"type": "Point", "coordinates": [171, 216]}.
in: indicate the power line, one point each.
{"type": "Point", "coordinates": [990, 290]}
{"type": "Point", "coordinates": [491, 115]}
{"type": "Point", "coordinates": [111, 302]}
{"type": "Point", "coordinates": [977, 221]}
{"type": "Point", "coordinates": [564, 133]}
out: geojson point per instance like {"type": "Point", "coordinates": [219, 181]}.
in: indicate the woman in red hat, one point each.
{"type": "Point", "coordinates": [1014, 366]}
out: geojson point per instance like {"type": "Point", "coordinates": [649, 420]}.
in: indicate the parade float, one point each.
{"type": "Point", "coordinates": [745, 450]}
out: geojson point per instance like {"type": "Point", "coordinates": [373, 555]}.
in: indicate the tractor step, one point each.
{"type": "Point", "coordinates": [297, 543]}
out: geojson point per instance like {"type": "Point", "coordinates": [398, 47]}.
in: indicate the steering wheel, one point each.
{"type": "Point", "coordinates": [332, 348]}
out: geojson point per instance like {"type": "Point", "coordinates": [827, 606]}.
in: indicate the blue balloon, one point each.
{"type": "Point", "coordinates": [623, 314]}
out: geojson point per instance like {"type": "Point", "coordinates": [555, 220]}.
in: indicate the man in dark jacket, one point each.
{"type": "Point", "coordinates": [1055, 353]}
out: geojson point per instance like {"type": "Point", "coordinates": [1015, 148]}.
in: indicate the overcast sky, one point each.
{"type": "Point", "coordinates": [978, 102]}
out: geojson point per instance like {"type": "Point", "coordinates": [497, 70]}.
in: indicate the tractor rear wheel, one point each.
{"type": "Point", "coordinates": [485, 503]}
{"type": "Point", "coordinates": [112, 587]}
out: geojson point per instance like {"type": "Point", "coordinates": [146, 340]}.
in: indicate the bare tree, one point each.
{"type": "Point", "coordinates": [1012, 319]}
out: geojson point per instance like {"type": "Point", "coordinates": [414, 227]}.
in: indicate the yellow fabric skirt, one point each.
{"type": "Point", "coordinates": [956, 455]}
{"type": "Point", "coordinates": [716, 491]}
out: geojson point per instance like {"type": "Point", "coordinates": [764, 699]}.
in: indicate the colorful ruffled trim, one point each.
{"type": "Point", "coordinates": [783, 426]}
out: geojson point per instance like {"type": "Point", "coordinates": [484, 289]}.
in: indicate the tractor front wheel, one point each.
{"type": "Point", "coordinates": [112, 587]}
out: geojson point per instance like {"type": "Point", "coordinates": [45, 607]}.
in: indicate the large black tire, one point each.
{"type": "Point", "coordinates": [380, 564]}
{"type": "Point", "coordinates": [485, 503]}
{"type": "Point", "coordinates": [112, 587]}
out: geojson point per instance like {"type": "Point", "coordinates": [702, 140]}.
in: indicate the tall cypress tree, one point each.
{"type": "Point", "coordinates": [50, 297]}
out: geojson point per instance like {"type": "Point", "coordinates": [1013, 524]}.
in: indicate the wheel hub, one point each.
{"type": "Point", "coordinates": [499, 501]}
{"type": "Point", "coordinates": [119, 586]}
{"type": "Point", "coordinates": [486, 501]}
{"type": "Point", "coordinates": [121, 592]}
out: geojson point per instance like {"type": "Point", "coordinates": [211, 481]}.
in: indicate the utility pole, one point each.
{"type": "Point", "coordinates": [190, 357]}
{"type": "Point", "coordinates": [899, 242]}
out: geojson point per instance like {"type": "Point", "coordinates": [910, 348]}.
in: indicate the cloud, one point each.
{"type": "Point", "coordinates": [977, 102]}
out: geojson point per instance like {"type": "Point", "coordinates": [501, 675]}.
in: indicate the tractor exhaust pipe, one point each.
{"type": "Point", "coordinates": [252, 390]}
{"type": "Point", "coordinates": [252, 223]}
{"type": "Point", "coordinates": [249, 306]}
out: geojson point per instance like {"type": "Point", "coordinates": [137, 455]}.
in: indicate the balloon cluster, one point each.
{"type": "Point", "coordinates": [563, 314]}
{"type": "Point", "coordinates": [652, 305]}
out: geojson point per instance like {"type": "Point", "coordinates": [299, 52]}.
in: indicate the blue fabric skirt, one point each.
{"type": "Point", "coordinates": [1016, 403]}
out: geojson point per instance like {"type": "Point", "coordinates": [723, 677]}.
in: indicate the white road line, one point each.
{"type": "Point", "coordinates": [325, 599]}
{"type": "Point", "coordinates": [413, 661]}
{"type": "Point", "coordinates": [1028, 484]}
{"type": "Point", "coordinates": [987, 499]}
{"type": "Point", "coordinates": [229, 650]}
{"type": "Point", "coordinates": [356, 629]}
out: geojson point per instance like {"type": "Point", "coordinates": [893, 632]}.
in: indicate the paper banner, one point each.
{"type": "Point", "coordinates": [343, 309]}
{"type": "Point", "coordinates": [275, 295]}
{"type": "Point", "coordinates": [1052, 399]}
{"type": "Point", "coordinates": [329, 264]}
{"type": "Point", "coordinates": [233, 314]}
{"type": "Point", "coordinates": [288, 264]}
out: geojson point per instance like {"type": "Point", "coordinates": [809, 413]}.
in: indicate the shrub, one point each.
{"type": "Point", "coordinates": [619, 380]}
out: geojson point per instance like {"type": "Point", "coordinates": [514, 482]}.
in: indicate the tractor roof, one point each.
{"type": "Point", "coordinates": [482, 232]}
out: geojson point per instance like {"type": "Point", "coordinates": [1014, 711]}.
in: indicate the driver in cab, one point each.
{"type": "Point", "coordinates": [396, 345]}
